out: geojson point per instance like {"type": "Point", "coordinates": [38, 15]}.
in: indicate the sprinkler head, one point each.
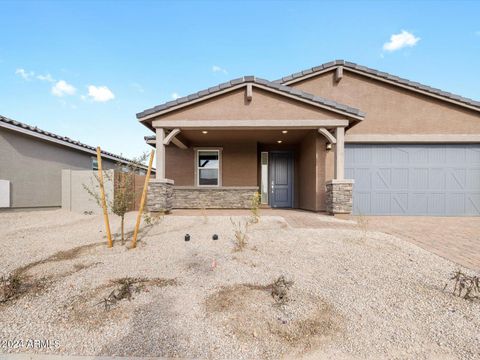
{"type": "Point", "coordinates": [187, 237]}
{"type": "Point", "coordinates": [215, 237]}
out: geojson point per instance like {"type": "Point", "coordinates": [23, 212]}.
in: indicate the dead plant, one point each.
{"type": "Point", "coordinates": [362, 223]}
{"type": "Point", "coordinates": [280, 289]}
{"type": "Point", "coordinates": [240, 231]}
{"type": "Point", "coordinates": [126, 287]}
{"type": "Point", "coordinates": [255, 208]}
{"type": "Point", "coordinates": [465, 286]}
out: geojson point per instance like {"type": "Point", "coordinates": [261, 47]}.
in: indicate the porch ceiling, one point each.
{"type": "Point", "coordinates": [219, 137]}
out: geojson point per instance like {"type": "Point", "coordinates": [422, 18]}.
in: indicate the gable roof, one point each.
{"type": "Point", "coordinates": [255, 81]}
{"type": "Point", "coordinates": [380, 75]}
{"type": "Point", "coordinates": [62, 140]}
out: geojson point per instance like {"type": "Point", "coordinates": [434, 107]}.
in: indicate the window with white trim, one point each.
{"type": "Point", "coordinates": [208, 167]}
{"type": "Point", "coordinates": [94, 163]}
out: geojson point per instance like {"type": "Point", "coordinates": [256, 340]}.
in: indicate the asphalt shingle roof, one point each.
{"type": "Point", "coordinates": [253, 80]}
{"type": "Point", "coordinates": [35, 129]}
{"type": "Point", "coordinates": [381, 74]}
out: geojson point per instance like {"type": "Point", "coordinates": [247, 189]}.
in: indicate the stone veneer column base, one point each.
{"type": "Point", "coordinates": [339, 196]}
{"type": "Point", "coordinates": [160, 195]}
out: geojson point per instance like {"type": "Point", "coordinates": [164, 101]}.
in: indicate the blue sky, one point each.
{"type": "Point", "coordinates": [84, 69]}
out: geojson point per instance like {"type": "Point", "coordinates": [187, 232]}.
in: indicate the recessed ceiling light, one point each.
{"type": "Point", "coordinates": [284, 131]}
{"type": "Point", "coordinates": [279, 141]}
{"type": "Point", "coordinates": [204, 132]}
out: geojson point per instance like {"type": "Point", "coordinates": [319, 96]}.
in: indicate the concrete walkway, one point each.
{"type": "Point", "coordinates": [454, 238]}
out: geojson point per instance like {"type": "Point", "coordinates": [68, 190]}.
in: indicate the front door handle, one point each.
{"type": "Point", "coordinates": [272, 186]}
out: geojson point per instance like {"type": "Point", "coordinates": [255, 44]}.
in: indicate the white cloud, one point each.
{"type": "Point", "coordinates": [218, 69]}
{"type": "Point", "coordinates": [25, 75]}
{"type": "Point", "coordinates": [62, 88]}
{"type": "Point", "coordinates": [175, 96]}
{"type": "Point", "coordinates": [46, 77]}
{"type": "Point", "coordinates": [100, 93]}
{"type": "Point", "coordinates": [401, 40]}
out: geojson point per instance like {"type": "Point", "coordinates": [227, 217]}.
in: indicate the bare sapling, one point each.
{"type": "Point", "coordinates": [123, 179]}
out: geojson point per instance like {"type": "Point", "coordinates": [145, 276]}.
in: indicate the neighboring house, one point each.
{"type": "Point", "coordinates": [304, 140]}
{"type": "Point", "coordinates": [32, 160]}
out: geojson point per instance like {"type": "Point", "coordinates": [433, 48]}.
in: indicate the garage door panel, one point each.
{"type": "Point", "coordinates": [473, 203]}
{"type": "Point", "coordinates": [399, 203]}
{"type": "Point", "coordinates": [382, 179]}
{"type": "Point", "coordinates": [419, 178]}
{"type": "Point", "coordinates": [418, 203]}
{"type": "Point", "coordinates": [394, 179]}
{"type": "Point", "coordinates": [362, 205]}
{"type": "Point", "coordinates": [399, 179]}
{"type": "Point", "coordinates": [473, 179]}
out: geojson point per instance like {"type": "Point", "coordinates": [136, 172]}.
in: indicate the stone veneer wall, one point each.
{"type": "Point", "coordinates": [160, 195]}
{"type": "Point", "coordinates": [213, 198]}
{"type": "Point", "coordinates": [339, 196]}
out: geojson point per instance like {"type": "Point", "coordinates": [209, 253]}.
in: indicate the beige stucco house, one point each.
{"type": "Point", "coordinates": [321, 140]}
{"type": "Point", "coordinates": [31, 164]}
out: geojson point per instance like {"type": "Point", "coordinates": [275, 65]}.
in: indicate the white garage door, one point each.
{"type": "Point", "coordinates": [393, 179]}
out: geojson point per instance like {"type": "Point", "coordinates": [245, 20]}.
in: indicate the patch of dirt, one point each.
{"type": "Point", "coordinates": [103, 304]}
{"type": "Point", "coordinates": [23, 281]}
{"type": "Point", "coordinates": [59, 256]}
{"type": "Point", "coordinates": [251, 313]}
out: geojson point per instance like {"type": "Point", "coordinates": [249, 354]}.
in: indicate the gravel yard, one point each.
{"type": "Point", "coordinates": [348, 292]}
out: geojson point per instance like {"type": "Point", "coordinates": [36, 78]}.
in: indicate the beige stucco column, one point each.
{"type": "Point", "coordinates": [340, 153]}
{"type": "Point", "coordinates": [160, 160]}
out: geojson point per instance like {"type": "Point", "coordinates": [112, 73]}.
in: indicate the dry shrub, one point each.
{"type": "Point", "coordinates": [240, 232]}
{"type": "Point", "coordinates": [255, 208]}
{"type": "Point", "coordinates": [280, 288]}
{"type": "Point", "coordinates": [126, 287]}
{"type": "Point", "coordinates": [15, 286]}
{"type": "Point", "coordinates": [465, 286]}
{"type": "Point", "coordinates": [362, 224]}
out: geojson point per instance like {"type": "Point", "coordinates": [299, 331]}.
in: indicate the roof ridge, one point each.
{"type": "Point", "coordinates": [382, 74]}
{"type": "Point", "coordinates": [254, 80]}
{"type": "Point", "coordinates": [37, 130]}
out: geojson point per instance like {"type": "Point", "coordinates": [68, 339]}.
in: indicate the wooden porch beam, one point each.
{"type": "Point", "coordinates": [171, 135]}
{"type": "Point", "coordinates": [331, 139]}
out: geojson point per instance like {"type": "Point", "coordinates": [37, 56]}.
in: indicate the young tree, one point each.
{"type": "Point", "coordinates": [124, 189]}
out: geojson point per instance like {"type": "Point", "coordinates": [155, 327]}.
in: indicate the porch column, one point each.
{"type": "Point", "coordinates": [160, 190]}
{"type": "Point", "coordinates": [339, 153]}
{"type": "Point", "coordinates": [160, 161]}
{"type": "Point", "coordinates": [339, 190]}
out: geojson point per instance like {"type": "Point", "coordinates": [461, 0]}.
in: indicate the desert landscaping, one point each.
{"type": "Point", "coordinates": [265, 289]}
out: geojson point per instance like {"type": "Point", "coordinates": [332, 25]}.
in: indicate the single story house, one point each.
{"type": "Point", "coordinates": [32, 160]}
{"type": "Point", "coordinates": [322, 139]}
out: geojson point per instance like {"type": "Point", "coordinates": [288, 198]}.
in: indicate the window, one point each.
{"type": "Point", "coordinates": [208, 167]}
{"type": "Point", "coordinates": [94, 163]}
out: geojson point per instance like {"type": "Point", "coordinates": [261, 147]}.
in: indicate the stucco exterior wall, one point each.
{"type": "Point", "coordinates": [34, 167]}
{"type": "Point", "coordinates": [264, 105]}
{"type": "Point", "coordinates": [312, 172]}
{"type": "Point", "coordinates": [390, 109]}
{"type": "Point", "coordinates": [239, 164]}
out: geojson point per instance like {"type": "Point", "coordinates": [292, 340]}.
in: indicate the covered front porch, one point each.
{"type": "Point", "coordinates": [214, 167]}
{"type": "Point", "coordinates": [217, 148]}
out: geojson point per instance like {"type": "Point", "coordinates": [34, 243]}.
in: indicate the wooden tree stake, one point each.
{"type": "Point", "coordinates": [102, 193]}
{"type": "Point", "coordinates": [142, 201]}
